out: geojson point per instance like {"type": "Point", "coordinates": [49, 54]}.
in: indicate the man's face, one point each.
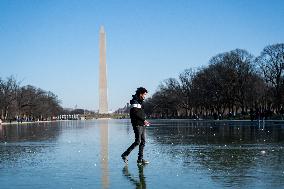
{"type": "Point", "coordinates": [143, 96]}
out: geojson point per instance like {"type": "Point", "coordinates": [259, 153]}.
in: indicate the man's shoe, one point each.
{"type": "Point", "coordinates": [142, 161]}
{"type": "Point", "coordinates": [124, 158]}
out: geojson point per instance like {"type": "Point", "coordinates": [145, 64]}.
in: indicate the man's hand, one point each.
{"type": "Point", "coordinates": [146, 123]}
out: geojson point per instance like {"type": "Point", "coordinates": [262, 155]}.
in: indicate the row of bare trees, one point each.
{"type": "Point", "coordinates": [26, 102]}
{"type": "Point", "coordinates": [234, 84]}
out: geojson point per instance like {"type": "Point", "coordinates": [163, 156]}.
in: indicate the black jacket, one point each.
{"type": "Point", "coordinates": [137, 115]}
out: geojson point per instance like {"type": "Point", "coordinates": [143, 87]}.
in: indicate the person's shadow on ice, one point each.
{"type": "Point", "coordinates": [141, 183]}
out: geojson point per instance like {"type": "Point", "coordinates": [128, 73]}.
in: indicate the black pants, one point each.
{"type": "Point", "coordinates": [139, 132]}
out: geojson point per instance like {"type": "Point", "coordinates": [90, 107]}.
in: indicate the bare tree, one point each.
{"type": "Point", "coordinates": [36, 103]}
{"type": "Point", "coordinates": [166, 101]}
{"type": "Point", "coordinates": [26, 102]}
{"type": "Point", "coordinates": [186, 96]}
{"type": "Point", "coordinates": [271, 63]}
{"type": "Point", "coordinates": [241, 63]}
{"type": "Point", "coordinates": [170, 91]}
{"type": "Point", "coordinates": [8, 90]}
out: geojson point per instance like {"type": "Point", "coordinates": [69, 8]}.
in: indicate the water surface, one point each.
{"type": "Point", "coordinates": [182, 154]}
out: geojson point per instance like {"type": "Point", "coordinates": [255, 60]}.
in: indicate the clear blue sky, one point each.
{"type": "Point", "coordinates": [53, 44]}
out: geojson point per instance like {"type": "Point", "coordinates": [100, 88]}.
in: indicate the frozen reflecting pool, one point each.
{"type": "Point", "coordinates": [182, 154]}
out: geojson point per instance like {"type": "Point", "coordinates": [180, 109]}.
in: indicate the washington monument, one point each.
{"type": "Point", "coordinates": [103, 103]}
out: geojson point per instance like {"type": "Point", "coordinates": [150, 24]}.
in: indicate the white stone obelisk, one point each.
{"type": "Point", "coordinates": [103, 102]}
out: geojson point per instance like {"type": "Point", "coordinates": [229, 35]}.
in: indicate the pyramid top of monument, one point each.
{"type": "Point", "coordinates": [102, 29]}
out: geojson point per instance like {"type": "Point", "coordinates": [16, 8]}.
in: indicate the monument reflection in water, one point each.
{"type": "Point", "coordinates": [103, 124]}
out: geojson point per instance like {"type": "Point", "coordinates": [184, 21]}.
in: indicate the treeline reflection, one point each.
{"type": "Point", "coordinates": [187, 132]}
{"type": "Point", "coordinates": [232, 155]}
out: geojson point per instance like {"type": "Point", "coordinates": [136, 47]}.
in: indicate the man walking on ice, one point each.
{"type": "Point", "coordinates": [138, 121]}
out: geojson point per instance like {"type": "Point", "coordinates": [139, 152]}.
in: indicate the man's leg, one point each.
{"type": "Point", "coordinates": [142, 143]}
{"type": "Point", "coordinates": [135, 143]}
